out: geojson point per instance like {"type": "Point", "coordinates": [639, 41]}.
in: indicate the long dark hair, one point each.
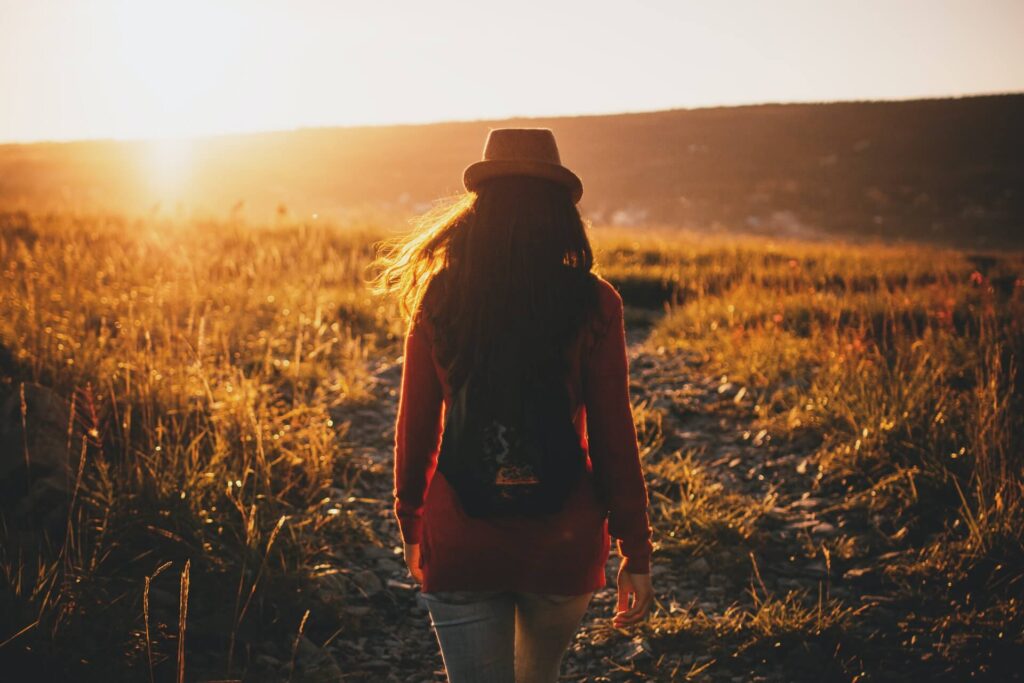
{"type": "Point", "coordinates": [502, 272]}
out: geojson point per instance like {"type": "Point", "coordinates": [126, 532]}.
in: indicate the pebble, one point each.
{"type": "Point", "coordinates": [823, 529]}
{"type": "Point", "coordinates": [368, 582]}
{"type": "Point", "coordinates": [389, 566]}
{"type": "Point", "coordinates": [356, 610]}
{"type": "Point", "coordinates": [803, 524]}
{"type": "Point", "coordinates": [719, 581]}
{"type": "Point", "coordinates": [699, 567]}
{"type": "Point", "coordinates": [378, 553]}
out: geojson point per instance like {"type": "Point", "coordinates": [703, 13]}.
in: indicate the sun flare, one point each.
{"type": "Point", "coordinates": [168, 165]}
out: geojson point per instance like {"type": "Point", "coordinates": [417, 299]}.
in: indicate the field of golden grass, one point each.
{"type": "Point", "coordinates": [840, 429]}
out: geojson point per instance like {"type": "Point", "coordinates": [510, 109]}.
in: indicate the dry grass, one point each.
{"type": "Point", "coordinates": [698, 514]}
{"type": "Point", "coordinates": [206, 361]}
{"type": "Point", "coordinates": [209, 366]}
{"type": "Point", "coordinates": [901, 366]}
{"type": "Point", "coordinates": [905, 360]}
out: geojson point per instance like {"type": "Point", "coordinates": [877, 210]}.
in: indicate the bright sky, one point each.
{"type": "Point", "coordinates": [140, 68]}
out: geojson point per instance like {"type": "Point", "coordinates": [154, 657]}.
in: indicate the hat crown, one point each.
{"type": "Point", "coordinates": [522, 152]}
{"type": "Point", "coordinates": [521, 144]}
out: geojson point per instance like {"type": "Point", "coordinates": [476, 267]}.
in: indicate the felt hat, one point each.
{"type": "Point", "coordinates": [522, 151]}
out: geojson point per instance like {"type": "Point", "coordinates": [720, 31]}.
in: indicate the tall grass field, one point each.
{"type": "Point", "coordinates": [195, 428]}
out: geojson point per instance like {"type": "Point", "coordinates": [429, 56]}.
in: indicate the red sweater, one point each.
{"type": "Point", "coordinates": [563, 553]}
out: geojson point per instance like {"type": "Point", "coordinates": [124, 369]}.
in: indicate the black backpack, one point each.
{"type": "Point", "coordinates": [509, 446]}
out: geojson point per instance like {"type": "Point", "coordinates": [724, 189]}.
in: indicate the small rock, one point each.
{"type": "Point", "coordinates": [331, 588]}
{"type": "Point", "coordinates": [699, 567]}
{"type": "Point", "coordinates": [40, 436]}
{"type": "Point", "coordinates": [368, 582]}
{"type": "Point", "coordinates": [815, 567]}
{"type": "Point", "coordinates": [719, 581]}
{"type": "Point", "coordinates": [388, 565]}
{"type": "Point", "coordinates": [307, 648]}
{"type": "Point", "coordinates": [265, 661]}
{"type": "Point", "coordinates": [803, 524]}
{"type": "Point", "coordinates": [357, 610]}
{"type": "Point", "coordinates": [317, 665]}
{"type": "Point", "coordinates": [377, 552]}
{"type": "Point", "coordinates": [823, 529]}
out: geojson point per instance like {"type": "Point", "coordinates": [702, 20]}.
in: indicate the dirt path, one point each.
{"type": "Point", "coordinates": [392, 640]}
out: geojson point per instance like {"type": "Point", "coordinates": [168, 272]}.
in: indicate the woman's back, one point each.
{"type": "Point", "coordinates": [561, 553]}
{"type": "Point", "coordinates": [505, 272]}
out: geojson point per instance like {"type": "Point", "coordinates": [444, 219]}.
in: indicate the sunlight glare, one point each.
{"type": "Point", "coordinates": [168, 164]}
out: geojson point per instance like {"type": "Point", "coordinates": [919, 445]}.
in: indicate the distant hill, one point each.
{"type": "Point", "coordinates": [949, 170]}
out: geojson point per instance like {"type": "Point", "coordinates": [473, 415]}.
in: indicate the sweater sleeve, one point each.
{"type": "Point", "coordinates": [612, 439]}
{"type": "Point", "coordinates": [417, 429]}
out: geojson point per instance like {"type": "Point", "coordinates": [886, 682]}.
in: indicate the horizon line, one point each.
{"type": "Point", "coordinates": [436, 122]}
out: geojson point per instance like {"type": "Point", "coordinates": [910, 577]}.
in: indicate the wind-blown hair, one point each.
{"type": "Point", "coordinates": [504, 272]}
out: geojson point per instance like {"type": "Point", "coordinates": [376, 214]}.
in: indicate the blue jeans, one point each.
{"type": "Point", "coordinates": [504, 637]}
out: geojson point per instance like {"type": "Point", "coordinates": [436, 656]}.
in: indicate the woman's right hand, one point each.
{"type": "Point", "coordinates": [412, 560]}
{"type": "Point", "coordinates": [639, 587]}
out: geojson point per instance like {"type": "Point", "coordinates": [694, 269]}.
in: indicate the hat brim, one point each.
{"type": "Point", "coordinates": [480, 171]}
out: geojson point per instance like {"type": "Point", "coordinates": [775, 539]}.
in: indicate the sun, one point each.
{"type": "Point", "coordinates": [179, 60]}
{"type": "Point", "coordinates": [168, 164]}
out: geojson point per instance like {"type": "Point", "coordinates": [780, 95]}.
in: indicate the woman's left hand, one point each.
{"type": "Point", "coordinates": [412, 560]}
{"type": "Point", "coordinates": [635, 586]}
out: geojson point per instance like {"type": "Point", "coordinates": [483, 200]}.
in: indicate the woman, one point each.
{"type": "Point", "coordinates": [508, 265]}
